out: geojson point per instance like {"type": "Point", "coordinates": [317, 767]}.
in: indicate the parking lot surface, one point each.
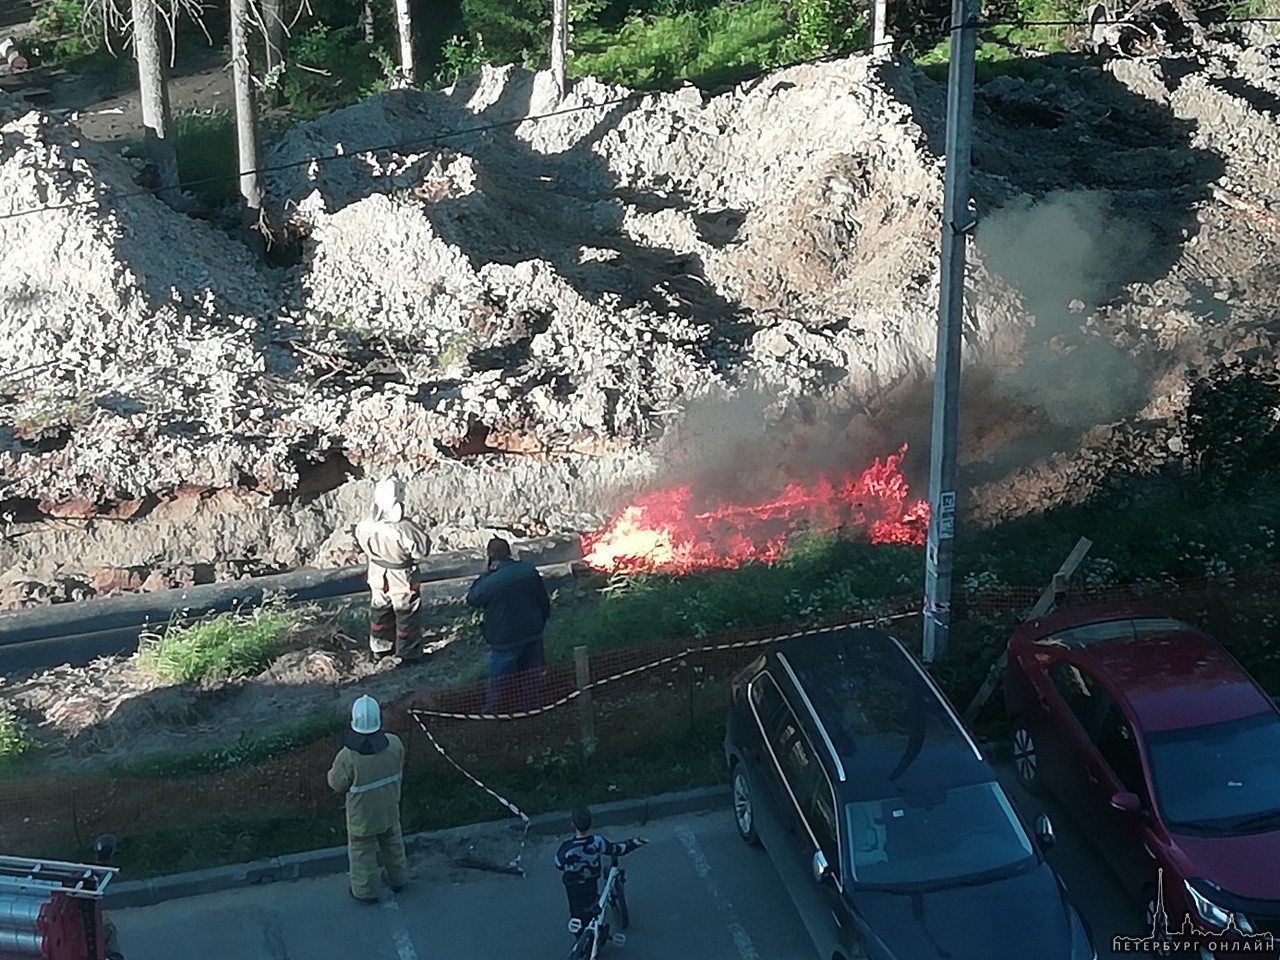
{"type": "Point", "coordinates": [695, 891]}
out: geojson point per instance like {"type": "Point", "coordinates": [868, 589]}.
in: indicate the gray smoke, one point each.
{"type": "Point", "coordinates": [749, 447]}
{"type": "Point", "coordinates": [1068, 255]}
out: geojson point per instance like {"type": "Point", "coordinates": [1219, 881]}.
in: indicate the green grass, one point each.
{"type": "Point", "coordinates": [688, 757]}
{"type": "Point", "coordinates": [225, 647]}
{"type": "Point", "coordinates": [240, 753]}
{"type": "Point", "coordinates": [717, 45]}
{"type": "Point", "coordinates": [820, 577]}
{"type": "Point", "coordinates": [1004, 50]}
{"type": "Point", "coordinates": [205, 142]}
{"type": "Point", "coordinates": [14, 739]}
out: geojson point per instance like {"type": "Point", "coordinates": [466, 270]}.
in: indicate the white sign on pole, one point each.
{"type": "Point", "coordinates": [947, 515]}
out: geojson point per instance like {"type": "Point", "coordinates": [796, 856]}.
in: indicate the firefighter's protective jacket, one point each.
{"type": "Point", "coordinates": [394, 549]}
{"type": "Point", "coordinates": [369, 769]}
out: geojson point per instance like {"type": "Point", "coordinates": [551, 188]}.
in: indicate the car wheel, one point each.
{"type": "Point", "coordinates": [1026, 759]}
{"type": "Point", "coordinates": [744, 811]}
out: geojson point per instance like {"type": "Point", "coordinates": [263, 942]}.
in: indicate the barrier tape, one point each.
{"type": "Point", "coordinates": [524, 834]}
{"type": "Point", "coordinates": [418, 712]}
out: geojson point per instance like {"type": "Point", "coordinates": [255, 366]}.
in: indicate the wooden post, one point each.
{"type": "Point", "coordinates": [586, 712]}
{"type": "Point", "coordinates": [1052, 593]}
{"type": "Point", "coordinates": [559, 43]}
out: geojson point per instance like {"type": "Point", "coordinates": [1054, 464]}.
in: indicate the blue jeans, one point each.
{"type": "Point", "coordinates": [515, 674]}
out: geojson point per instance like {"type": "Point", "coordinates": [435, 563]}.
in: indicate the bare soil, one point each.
{"type": "Point", "coordinates": [113, 710]}
{"type": "Point", "coordinates": [547, 315]}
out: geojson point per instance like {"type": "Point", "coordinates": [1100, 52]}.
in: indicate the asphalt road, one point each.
{"type": "Point", "coordinates": [695, 891]}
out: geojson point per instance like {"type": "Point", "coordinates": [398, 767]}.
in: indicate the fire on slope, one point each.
{"type": "Point", "coordinates": [664, 533]}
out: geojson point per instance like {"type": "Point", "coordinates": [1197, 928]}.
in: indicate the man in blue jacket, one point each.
{"type": "Point", "coordinates": [516, 608]}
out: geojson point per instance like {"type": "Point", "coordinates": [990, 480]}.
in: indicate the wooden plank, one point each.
{"type": "Point", "coordinates": [1058, 585]}
{"type": "Point", "coordinates": [1056, 588]}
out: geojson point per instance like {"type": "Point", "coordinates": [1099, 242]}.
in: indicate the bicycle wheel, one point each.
{"type": "Point", "coordinates": [582, 946]}
{"type": "Point", "coordinates": [619, 903]}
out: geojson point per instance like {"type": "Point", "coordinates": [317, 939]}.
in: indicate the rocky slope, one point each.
{"type": "Point", "coordinates": [534, 309]}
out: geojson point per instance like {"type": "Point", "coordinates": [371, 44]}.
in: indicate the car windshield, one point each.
{"type": "Point", "coordinates": [958, 834]}
{"type": "Point", "coordinates": [1222, 775]}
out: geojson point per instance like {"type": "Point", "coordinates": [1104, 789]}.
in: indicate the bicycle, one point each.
{"type": "Point", "coordinates": [609, 911]}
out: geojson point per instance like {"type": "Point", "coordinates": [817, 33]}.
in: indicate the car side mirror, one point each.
{"type": "Point", "coordinates": [1044, 831]}
{"type": "Point", "coordinates": [821, 869]}
{"type": "Point", "coordinates": [1126, 802]}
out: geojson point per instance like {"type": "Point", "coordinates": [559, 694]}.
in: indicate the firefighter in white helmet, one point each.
{"type": "Point", "coordinates": [395, 546]}
{"type": "Point", "coordinates": [368, 770]}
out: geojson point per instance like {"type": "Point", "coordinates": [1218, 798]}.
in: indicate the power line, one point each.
{"type": "Point", "coordinates": [984, 24]}
{"type": "Point", "coordinates": [437, 139]}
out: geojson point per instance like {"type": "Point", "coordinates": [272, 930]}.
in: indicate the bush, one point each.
{"type": "Point", "coordinates": [14, 741]}
{"type": "Point", "coordinates": [460, 57]}
{"type": "Point", "coordinates": [226, 647]}
{"type": "Point", "coordinates": [822, 28]}
{"type": "Point", "coordinates": [65, 32]}
{"type": "Point", "coordinates": [1230, 429]}
{"type": "Point", "coordinates": [716, 45]}
{"type": "Point", "coordinates": [512, 31]}
{"type": "Point", "coordinates": [330, 67]}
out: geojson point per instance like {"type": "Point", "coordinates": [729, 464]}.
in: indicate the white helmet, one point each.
{"type": "Point", "coordinates": [388, 499]}
{"type": "Point", "coordinates": [366, 715]}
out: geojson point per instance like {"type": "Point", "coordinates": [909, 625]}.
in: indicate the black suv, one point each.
{"type": "Point", "coordinates": [887, 826]}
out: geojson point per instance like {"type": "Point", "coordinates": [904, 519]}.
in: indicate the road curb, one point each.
{"type": "Point", "coordinates": [333, 860]}
{"type": "Point", "coordinates": [37, 637]}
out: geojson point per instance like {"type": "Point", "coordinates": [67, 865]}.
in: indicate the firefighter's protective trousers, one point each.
{"type": "Point", "coordinates": [369, 771]}
{"type": "Point", "coordinates": [394, 549]}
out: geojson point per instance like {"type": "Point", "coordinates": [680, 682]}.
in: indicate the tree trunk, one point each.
{"type": "Point", "coordinates": [880, 28]}
{"type": "Point", "coordinates": [404, 24]}
{"type": "Point", "coordinates": [366, 21]}
{"type": "Point", "coordinates": [272, 18]}
{"type": "Point", "coordinates": [246, 120]}
{"type": "Point", "coordinates": [153, 91]}
{"type": "Point", "coordinates": [559, 42]}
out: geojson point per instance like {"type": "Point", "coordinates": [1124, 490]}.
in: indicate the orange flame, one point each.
{"type": "Point", "coordinates": [660, 533]}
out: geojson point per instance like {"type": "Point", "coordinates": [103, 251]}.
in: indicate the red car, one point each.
{"type": "Point", "coordinates": [1165, 750]}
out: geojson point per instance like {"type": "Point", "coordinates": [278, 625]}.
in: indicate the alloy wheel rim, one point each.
{"type": "Point", "coordinates": [1024, 755]}
{"type": "Point", "coordinates": [742, 803]}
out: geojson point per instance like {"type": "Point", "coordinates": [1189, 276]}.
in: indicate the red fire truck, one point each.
{"type": "Point", "coordinates": [51, 910]}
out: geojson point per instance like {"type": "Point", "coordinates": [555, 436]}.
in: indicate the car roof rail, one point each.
{"type": "Point", "coordinates": [822, 730]}
{"type": "Point", "coordinates": [933, 687]}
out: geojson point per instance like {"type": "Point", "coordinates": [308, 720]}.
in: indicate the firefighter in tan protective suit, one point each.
{"type": "Point", "coordinates": [394, 546]}
{"type": "Point", "coordinates": [368, 770]}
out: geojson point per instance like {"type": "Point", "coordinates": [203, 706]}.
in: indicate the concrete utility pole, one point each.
{"type": "Point", "coordinates": [957, 222]}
